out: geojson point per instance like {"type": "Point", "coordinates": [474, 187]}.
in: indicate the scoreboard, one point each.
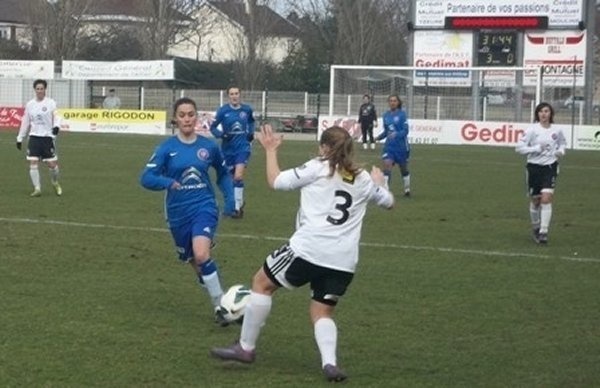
{"type": "Point", "coordinates": [496, 48]}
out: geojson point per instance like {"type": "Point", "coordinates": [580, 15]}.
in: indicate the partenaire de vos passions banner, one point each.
{"type": "Point", "coordinates": [147, 122]}
{"type": "Point", "coordinates": [469, 132]}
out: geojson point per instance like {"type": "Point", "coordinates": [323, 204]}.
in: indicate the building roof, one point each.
{"type": "Point", "coordinates": [271, 23]}
{"type": "Point", "coordinates": [11, 11]}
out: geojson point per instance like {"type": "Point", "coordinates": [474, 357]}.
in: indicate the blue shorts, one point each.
{"type": "Point", "coordinates": [203, 224]}
{"type": "Point", "coordinates": [238, 158]}
{"type": "Point", "coordinates": [396, 156]}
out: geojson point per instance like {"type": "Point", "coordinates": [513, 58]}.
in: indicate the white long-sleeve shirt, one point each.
{"type": "Point", "coordinates": [39, 119]}
{"type": "Point", "coordinates": [329, 221]}
{"type": "Point", "coordinates": [542, 145]}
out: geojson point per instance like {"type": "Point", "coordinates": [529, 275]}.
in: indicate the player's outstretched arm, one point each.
{"type": "Point", "coordinates": [381, 195]}
{"type": "Point", "coordinates": [270, 142]}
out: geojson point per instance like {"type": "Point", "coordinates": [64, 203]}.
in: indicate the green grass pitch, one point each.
{"type": "Point", "coordinates": [450, 289]}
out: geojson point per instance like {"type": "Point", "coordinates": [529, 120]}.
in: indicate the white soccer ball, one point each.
{"type": "Point", "coordinates": [234, 301]}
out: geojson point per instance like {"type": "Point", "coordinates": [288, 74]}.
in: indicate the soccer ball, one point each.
{"type": "Point", "coordinates": [234, 301]}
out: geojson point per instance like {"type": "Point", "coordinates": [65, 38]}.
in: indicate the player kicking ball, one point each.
{"type": "Point", "coordinates": [334, 193]}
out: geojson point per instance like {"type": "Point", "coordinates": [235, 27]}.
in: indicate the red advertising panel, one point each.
{"type": "Point", "coordinates": [10, 117]}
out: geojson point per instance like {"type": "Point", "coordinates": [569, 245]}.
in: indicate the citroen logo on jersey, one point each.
{"type": "Point", "coordinates": [237, 126]}
{"type": "Point", "coordinates": [191, 174]}
{"type": "Point", "coordinates": [203, 154]}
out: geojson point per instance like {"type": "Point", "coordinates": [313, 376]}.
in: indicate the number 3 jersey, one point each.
{"type": "Point", "coordinates": [329, 221]}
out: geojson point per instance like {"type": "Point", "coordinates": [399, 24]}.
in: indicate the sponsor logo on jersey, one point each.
{"type": "Point", "coordinates": [192, 179]}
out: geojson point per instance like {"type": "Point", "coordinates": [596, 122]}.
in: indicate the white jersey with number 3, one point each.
{"type": "Point", "coordinates": [329, 221]}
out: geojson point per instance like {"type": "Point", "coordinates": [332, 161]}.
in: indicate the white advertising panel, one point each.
{"type": "Point", "coordinates": [587, 137]}
{"type": "Point", "coordinates": [560, 54]}
{"type": "Point", "coordinates": [121, 70]}
{"type": "Point", "coordinates": [560, 13]}
{"type": "Point", "coordinates": [27, 69]}
{"type": "Point", "coordinates": [467, 132]}
{"type": "Point", "coordinates": [447, 50]}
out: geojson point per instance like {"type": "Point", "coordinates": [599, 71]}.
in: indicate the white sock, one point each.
{"type": "Point", "coordinates": [546, 216]}
{"type": "Point", "coordinates": [34, 174]}
{"type": "Point", "coordinates": [238, 195]}
{"type": "Point", "coordinates": [213, 286]}
{"type": "Point", "coordinates": [255, 316]}
{"type": "Point", "coordinates": [534, 214]}
{"type": "Point", "coordinates": [326, 337]}
{"type": "Point", "coordinates": [54, 173]}
{"type": "Point", "coordinates": [406, 182]}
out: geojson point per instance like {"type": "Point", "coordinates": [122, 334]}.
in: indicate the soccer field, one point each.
{"type": "Point", "coordinates": [450, 290]}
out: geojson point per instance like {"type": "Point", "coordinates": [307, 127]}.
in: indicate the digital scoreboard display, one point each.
{"type": "Point", "coordinates": [496, 48]}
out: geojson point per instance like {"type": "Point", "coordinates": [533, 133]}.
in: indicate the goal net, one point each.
{"type": "Point", "coordinates": [486, 94]}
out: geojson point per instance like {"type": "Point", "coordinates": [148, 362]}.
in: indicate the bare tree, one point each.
{"type": "Point", "coordinates": [55, 26]}
{"type": "Point", "coordinates": [168, 22]}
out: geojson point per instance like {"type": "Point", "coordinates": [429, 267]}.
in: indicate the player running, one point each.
{"type": "Point", "coordinates": [237, 123]}
{"type": "Point", "coordinates": [181, 166]}
{"type": "Point", "coordinates": [543, 144]}
{"type": "Point", "coordinates": [42, 124]}
{"type": "Point", "coordinates": [323, 251]}
{"type": "Point", "coordinates": [396, 149]}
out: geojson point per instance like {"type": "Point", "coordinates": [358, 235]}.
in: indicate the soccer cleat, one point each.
{"type": "Point", "coordinates": [372, 146]}
{"type": "Point", "coordinates": [536, 235]}
{"type": "Point", "coordinates": [220, 317]}
{"type": "Point", "coordinates": [365, 146]}
{"type": "Point", "coordinates": [239, 213]}
{"type": "Point", "coordinates": [234, 353]}
{"type": "Point", "coordinates": [407, 193]}
{"type": "Point", "coordinates": [36, 193]}
{"type": "Point", "coordinates": [543, 238]}
{"type": "Point", "coordinates": [333, 373]}
{"type": "Point", "coordinates": [57, 189]}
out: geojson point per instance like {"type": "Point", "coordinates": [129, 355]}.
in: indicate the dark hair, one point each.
{"type": "Point", "coordinates": [366, 95]}
{"type": "Point", "coordinates": [397, 98]}
{"type": "Point", "coordinates": [183, 101]}
{"type": "Point", "coordinates": [233, 87]}
{"type": "Point", "coordinates": [40, 81]}
{"type": "Point", "coordinates": [111, 90]}
{"type": "Point", "coordinates": [341, 150]}
{"type": "Point", "coordinates": [538, 108]}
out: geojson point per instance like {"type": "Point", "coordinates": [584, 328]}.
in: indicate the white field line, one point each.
{"type": "Point", "coordinates": [476, 252]}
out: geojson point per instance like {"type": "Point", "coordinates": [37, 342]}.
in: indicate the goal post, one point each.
{"type": "Point", "coordinates": [456, 93]}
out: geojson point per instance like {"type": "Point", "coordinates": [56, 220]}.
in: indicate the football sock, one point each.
{"type": "Point", "coordinates": [238, 194]}
{"type": "Point", "coordinates": [387, 174]}
{"type": "Point", "coordinates": [34, 174]}
{"type": "Point", "coordinates": [545, 217]}
{"type": "Point", "coordinates": [54, 173]}
{"type": "Point", "coordinates": [255, 316]}
{"type": "Point", "coordinates": [534, 214]}
{"type": "Point", "coordinates": [326, 337]}
{"type": "Point", "coordinates": [406, 182]}
{"type": "Point", "coordinates": [210, 277]}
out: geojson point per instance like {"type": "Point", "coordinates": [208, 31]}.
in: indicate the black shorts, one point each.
{"type": "Point", "coordinates": [541, 178]}
{"type": "Point", "coordinates": [41, 148]}
{"type": "Point", "coordinates": [287, 270]}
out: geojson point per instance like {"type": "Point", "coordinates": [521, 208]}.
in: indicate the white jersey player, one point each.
{"type": "Point", "coordinates": [323, 251]}
{"type": "Point", "coordinates": [543, 144]}
{"type": "Point", "coordinates": [41, 123]}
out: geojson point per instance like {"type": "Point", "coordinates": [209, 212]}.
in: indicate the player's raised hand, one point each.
{"type": "Point", "coordinates": [377, 176]}
{"type": "Point", "coordinates": [268, 139]}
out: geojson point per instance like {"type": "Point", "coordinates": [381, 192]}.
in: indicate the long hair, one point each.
{"type": "Point", "coordinates": [340, 152]}
{"type": "Point", "coordinates": [540, 106]}
{"type": "Point", "coordinates": [397, 98]}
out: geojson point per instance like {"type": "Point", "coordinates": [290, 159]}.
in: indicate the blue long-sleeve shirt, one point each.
{"type": "Point", "coordinates": [237, 128]}
{"type": "Point", "coordinates": [395, 131]}
{"type": "Point", "coordinates": [188, 164]}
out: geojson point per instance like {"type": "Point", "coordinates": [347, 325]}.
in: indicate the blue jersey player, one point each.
{"type": "Point", "coordinates": [396, 149]}
{"type": "Point", "coordinates": [180, 165]}
{"type": "Point", "coordinates": [237, 132]}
